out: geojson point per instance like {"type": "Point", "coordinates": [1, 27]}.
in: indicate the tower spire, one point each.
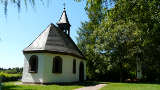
{"type": "Point", "coordinates": [63, 22]}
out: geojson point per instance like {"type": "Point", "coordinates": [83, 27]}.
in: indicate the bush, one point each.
{"type": "Point", "coordinates": [9, 77]}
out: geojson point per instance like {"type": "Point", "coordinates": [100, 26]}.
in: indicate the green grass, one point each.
{"type": "Point", "coordinates": [109, 86]}
{"type": "Point", "coordinates": [9, 75]}
{"type": "Point", "coordinates": [12, 86]}
{"type": "Point", "coordinates": [131, 86]}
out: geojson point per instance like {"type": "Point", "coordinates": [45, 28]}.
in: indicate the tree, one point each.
{"type": "Point", "coordinates": [128, 32]}
{"type": "Point", "coordinates": [96, 64]}
{"type": "Point", "coordinates": [142, 15]}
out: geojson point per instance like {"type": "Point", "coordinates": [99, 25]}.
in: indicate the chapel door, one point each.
{"type": "Point", "coordinates": [81, 72]}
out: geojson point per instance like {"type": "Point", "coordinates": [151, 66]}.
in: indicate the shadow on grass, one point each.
{"type": "Point", "coordinates": [145, 83]}
{"type": "Point", "coordinates": [86, 83]}
{"type": "Point", "coordinates": [138, 83]}
{"type": "Point", "coordinates": [12, 86]}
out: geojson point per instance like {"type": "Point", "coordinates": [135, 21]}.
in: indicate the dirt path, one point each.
{"type": "Point", "coordinates": [96, 87]}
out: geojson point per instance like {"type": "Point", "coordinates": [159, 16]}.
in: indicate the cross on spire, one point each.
{"type": "Point", "coordinates": [64, 5]}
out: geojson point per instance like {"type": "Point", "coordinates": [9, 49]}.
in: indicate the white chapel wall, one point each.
{"type": "Point", "coordinates": [33, 77]}
{"type": "Point", "coordinates": [67, 74]}
{"type": "Point", "coordinates": [45, 63]}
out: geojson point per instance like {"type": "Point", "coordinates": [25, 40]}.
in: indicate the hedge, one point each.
{"type": "Point", "coordinates": [5, 77]}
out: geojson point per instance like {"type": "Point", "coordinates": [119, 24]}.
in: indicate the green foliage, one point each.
{"type": "Point", "coordinates": [10, 74]}
{"type": "Point", "coordinates": [131, 25]}
{"type": "Point", "coordinates": [87, 41]}
{"type": "Point", "coordinates": [16, 70]}
{"type": "Point", "coordinates": [115, 38]}
{"type": "Point", "coordinates": [9, 77]}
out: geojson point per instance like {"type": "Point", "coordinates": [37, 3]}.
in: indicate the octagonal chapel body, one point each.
{"type": "Point", "coordinates": [53, 57]}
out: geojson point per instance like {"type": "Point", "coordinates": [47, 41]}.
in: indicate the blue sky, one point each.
{"type": "Point", "coordinates": [17, 31]}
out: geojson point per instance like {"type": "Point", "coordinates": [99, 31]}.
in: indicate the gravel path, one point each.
{"type": "Point", "coordinates": [96, 87]}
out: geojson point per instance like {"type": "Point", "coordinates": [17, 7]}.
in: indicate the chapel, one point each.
{"type": "Point", "coordinates": [53, 57]}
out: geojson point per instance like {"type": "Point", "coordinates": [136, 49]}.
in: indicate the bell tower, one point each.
{"type": "Point", "coordinates": [63, 23]}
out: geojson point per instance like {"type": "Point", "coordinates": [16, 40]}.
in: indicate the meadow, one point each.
{"type": "Point", "coordinates": [131, 86]}
{"type": "Point", "coordinates": [13, 86]}
{"type": "Point", "coordinates": [109, 86]}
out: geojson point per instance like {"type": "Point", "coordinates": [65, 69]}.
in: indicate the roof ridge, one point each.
{"type": "Point", "coordinates": [38, 36]}
{"type": "Point", "coordinates": [50, 28]}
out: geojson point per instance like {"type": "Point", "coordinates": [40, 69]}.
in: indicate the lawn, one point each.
{"type": "Point", "coordinates": [131, 86]}
{"type": "Point", "coordinates": [12, 86]}
{"type": "Point", "coordinates": [109, 86]}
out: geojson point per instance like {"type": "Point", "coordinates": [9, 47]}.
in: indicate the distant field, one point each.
{"type": "Point", "coordinates": [131, 86]}
{"type": "Point", "coordinates": [12, 86]}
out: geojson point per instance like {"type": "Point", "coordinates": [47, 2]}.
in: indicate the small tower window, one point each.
{"type": "Point", "coordinates": [74, 66]}
{"type": "Point", "coordinates": [33, 64]}
{"type": "Point", "coordinates": [57, 65]}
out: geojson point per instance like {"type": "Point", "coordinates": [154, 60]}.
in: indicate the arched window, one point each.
{"type": "Point", "coordinates": [74, 66]}
{"type": "Point", "coordinates": [33, 64]}
{"type": "Point", "coordinates": [57, 65]}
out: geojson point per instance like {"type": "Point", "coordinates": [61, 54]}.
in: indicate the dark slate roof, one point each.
{"type": "Point", "coordinates": [54, 40]}
{"type": "Point", "coordinates": [64, 18]}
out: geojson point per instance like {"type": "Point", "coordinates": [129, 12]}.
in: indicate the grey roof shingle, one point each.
{"type": "Point", "coordinates": [54, 40]}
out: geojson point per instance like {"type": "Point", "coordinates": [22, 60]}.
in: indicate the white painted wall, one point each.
{"type": "Point", "coordinates": [45, 75]}
{"type": "Point", "coordinates": [33, 77]}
